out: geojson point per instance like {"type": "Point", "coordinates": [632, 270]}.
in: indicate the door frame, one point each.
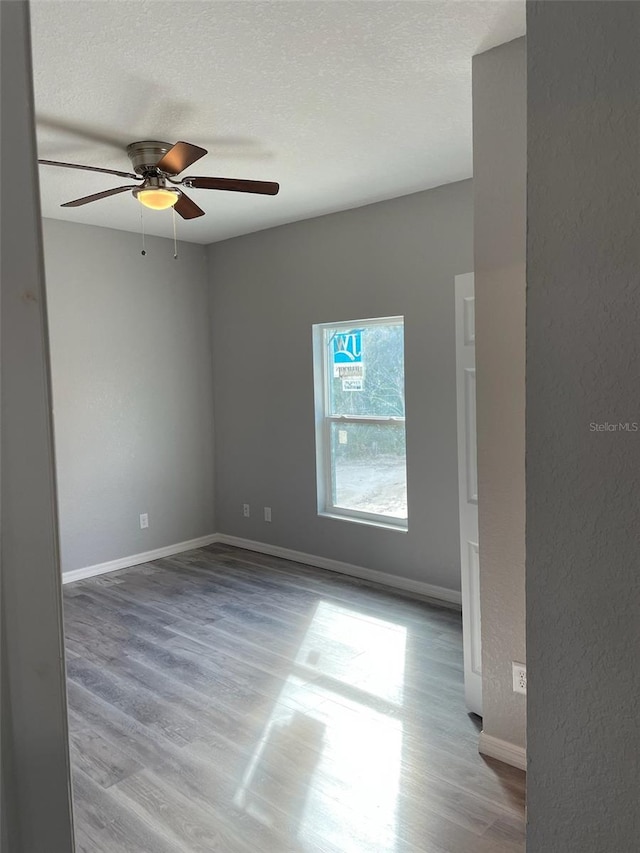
{"type": "Point", "coordinates": [468, 490]}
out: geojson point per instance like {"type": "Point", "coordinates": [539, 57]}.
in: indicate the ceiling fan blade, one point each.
{"type": "Point", "coordinates": [97, 196]}
{"type": "Point", "coordinates": [234, 185]}
{"type": "Point", "coordinates": [186, 208]}
{"type": "Point", "coordinates": [180, 157]}
{"type": "Point", "coordinates": [91, 169]}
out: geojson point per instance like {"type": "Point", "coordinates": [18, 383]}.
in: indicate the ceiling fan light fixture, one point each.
{"type": "Point", "coordinates": [154, 163]}
{"type": "Point", "coordinates": [157, 198]}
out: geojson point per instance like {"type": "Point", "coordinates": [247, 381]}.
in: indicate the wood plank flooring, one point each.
{"type": "Point", "coordinates": [227, 702]}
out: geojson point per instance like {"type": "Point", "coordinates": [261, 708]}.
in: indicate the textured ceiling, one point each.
{"type": "Point", "coordinates": [344, 103]}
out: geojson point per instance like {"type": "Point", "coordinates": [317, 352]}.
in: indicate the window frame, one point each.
{"type": "Point", "coordinates": [322, 374]}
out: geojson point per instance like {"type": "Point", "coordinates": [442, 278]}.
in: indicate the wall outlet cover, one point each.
{"type": "Point", "coordinates": [246, 510]}
{"type": "Point", "coordinates": [144, 520]}
{"type": "Point", "coordinates": [519, 671]}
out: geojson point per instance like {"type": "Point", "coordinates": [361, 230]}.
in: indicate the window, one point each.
{"type": "Point", "coordinates": [360, 415]}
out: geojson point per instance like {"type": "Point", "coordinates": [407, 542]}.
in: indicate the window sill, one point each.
{"type": "Point", "coordinates": [384, 525]}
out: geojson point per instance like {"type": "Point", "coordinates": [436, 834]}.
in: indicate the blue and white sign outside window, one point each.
{"type": "Point", "coordinates": [347, 356]}
{"type": "Point", "coordinates": [347, 347]}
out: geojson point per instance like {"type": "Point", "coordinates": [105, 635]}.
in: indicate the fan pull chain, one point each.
{"type": "Point", "coordinates": [144, 251]}
{"type": "Point", "coordinates": [175, 240]}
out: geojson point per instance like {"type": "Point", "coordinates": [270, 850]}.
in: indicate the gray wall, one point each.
{"type": "Point", "coordinates": [132, 391]}
{"type": "Point", "coordinates": [583, 486]}
{"type": "Point", "coordinates": [36, 797]}
{"type": "Point", "coordinates": [499, 167]}
{"type": "Point", "coordinates": [267, 289]}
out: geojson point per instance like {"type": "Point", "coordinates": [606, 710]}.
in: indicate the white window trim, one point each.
{"type": "Point", "coordinates": [323, 421]}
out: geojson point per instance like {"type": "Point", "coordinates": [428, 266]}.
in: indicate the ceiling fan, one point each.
{"type": "Point", "coordinates": [156, 164]}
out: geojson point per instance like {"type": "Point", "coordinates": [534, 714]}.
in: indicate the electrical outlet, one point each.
{"type": "Point", "coordinates": [519, 677]}
{"type": "Point", "coordinates": [267, 513]}
{"type": "Point", "coordinates": [246, 510]}
{"type": "Point", "coordinates": [144, 520]}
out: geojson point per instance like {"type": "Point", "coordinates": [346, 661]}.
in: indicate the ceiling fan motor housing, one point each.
{"type": "Point", "coordinates": [145, 155]}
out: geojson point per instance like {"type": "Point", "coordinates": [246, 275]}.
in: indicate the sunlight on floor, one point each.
{"type": "Point", "coordinates": [330, 755]}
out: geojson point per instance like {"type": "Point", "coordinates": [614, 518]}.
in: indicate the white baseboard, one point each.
{"type": "Point", "coordinates": [438, 593]}
{"type": "Point", "coordinates": [137, 559]}
{"type": "Point", "coordinates": [503, 751]}
{"type": "Point", "coordinates": [447, 596]}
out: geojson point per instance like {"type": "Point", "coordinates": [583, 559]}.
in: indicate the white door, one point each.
{"type": "Point", "coordinates": [468, 489]}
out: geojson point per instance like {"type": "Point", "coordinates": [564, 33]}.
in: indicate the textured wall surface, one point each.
{"type": "Point", "coordinates": [132, 391]}
{"type": "Point", "coordinates": [499, 141]}
{"type": "Point", "coordinates": [36, 797]}
{"type": "Point", "coordinates": [396, 257]}
{"type": "Point", "coordinates": [583, 484]}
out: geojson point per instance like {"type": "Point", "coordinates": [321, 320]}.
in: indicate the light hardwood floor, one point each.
{"type": "Point", "coordinates": [227, 702]}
